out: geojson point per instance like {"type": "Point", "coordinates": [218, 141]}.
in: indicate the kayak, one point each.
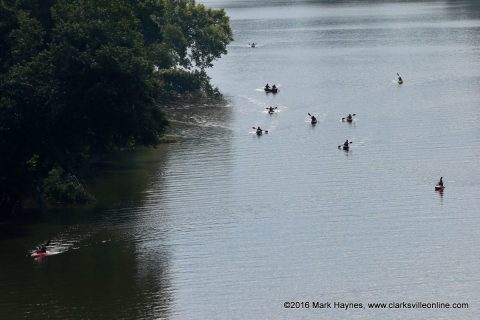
{"type": "Point", "coordinates": [271, 111]}
{"type": "Point", "coordinates": [259, 133]}
{"type": "Point", "coordinates": [271, 90]}
{"type": "Point", "coordinates": [439, 187]}
{"type": "Point", "coordinates": [400, 81]}
{"type": "Point", "coordinates": [346, 148]}
{"type": "Point", "coordinates": [39, 254]}
{"type": "Point", "coordinates": [349, 120]}
{"type": "Point", "coordinates": [314, 121]}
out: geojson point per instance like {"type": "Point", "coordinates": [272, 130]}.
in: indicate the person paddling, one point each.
{"type": "Point", "coordinates": [267, 87]}
{"type": "Point", "coordinates": [346, 145]}
{"type": "Point", "coordinates": [274, 87]}
{"type": "Point", "coordinates": [42, 248]}
{"type": "Point", "coordinates": [440, 183]}
{"type": "Point", "coordinates": [349, 118]}
{"type": "Point", "coordinates": [400, 80]}
{"type": "Point", "coordinates": [259, 131]}
{"type": "Point", "coordinates": [313, 118]}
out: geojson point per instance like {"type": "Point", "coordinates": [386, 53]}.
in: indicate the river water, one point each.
{"type": "Point", "coordinates": [230, 225]}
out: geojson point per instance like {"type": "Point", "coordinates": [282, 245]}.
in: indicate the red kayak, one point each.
{"type": "Point", "coordinates": [439, 187]}
{"type": "Point", "coordinates": [39, 254]}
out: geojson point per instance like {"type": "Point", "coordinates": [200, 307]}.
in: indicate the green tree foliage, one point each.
{"type": "Point", "coordinates": [83, 77]}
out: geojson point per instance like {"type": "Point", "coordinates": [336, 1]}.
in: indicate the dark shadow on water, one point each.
{"type": "Point", "coordinates": [109, 281]}
{"type": "Point", "coordinates": [113, 258]}
{"type": "Point", "coordinates": [97, 271]}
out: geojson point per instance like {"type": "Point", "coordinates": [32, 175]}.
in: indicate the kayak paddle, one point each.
{"type": "Point", "coordinates": [266, 131]}
{"type": "Point", "coordinates": [353, 115]}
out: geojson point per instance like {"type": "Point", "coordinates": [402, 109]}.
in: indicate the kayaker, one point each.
{"type": "Point", "coordinates": [42, 248]}
{"type": "Point", "coordinates": [271, 109]}
{"type": "Point", "coordinates": [259, 130]}
{"type": "Point", "coordinates": [399, 78]}
{"type": "Point", "coordinates": [345, 144]}
{"type": "Point", "coordinates": [267, 87]}
{"type": "Point", "coordinates": [314, 119]}
{"type": "Point", "coordinates": [440, 183]}
{"type": "Point", "coordinates": [274, 87]}
{"type": "Point", "coordinates": [349, 117]}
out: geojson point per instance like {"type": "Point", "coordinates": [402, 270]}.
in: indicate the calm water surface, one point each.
{"type": "Point", "coordinates": [228, 225]}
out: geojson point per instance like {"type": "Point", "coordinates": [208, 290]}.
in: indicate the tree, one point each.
{"type": "Point", "coordinates": [84, 77]}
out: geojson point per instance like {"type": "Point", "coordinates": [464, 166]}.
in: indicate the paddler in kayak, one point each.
{"type": "Point", "coordinates": [271, 109]}
{"type": "Point", "coordinates": [314, 120]}
{"type": "Point", "coordinates": [345, 146]}
{"type": "Point", "coordinates": [42, 248]}
{"type": "Point", "coordinates": [400, 80]}
{"type": "Point", "coordinates": [440, 183]}
{"type": "Point", "coordinates": [267, 87]}
{"type": "Point", "coordinates": [274, 87]}
{"type": "Point", "coordinates": [349, 118]}
{"type": "Point", "coordinates": [259, 131]}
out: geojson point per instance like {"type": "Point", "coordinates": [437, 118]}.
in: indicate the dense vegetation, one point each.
{"type": "Point", "coordinates": [79, 78]}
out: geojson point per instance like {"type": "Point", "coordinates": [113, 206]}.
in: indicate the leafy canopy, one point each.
{"type": "Point", "coordinates": [83, 77]}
